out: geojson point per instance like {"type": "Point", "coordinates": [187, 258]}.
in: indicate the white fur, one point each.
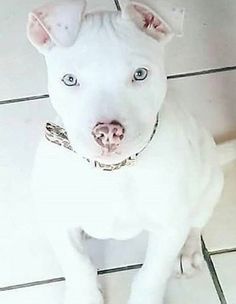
{"type": "Point", "coordinates": [170, 191]}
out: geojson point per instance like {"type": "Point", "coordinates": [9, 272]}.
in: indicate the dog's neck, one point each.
{"type": "Point", "coordinates": [58, 135]}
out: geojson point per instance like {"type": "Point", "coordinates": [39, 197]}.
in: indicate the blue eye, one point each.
{"type": "Point", "coordinates": [140, 74]}
{"type": "Point", "coordinates": [70, 80]}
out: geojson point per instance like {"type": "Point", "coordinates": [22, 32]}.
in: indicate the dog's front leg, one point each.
{"type": "Point", "coordinates": [80, 274]}
{"type": "Point", "coordinates": [150, 283]}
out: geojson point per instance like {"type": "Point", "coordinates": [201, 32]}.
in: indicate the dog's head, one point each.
{"type": "Point", "coordinates": [105, 71]}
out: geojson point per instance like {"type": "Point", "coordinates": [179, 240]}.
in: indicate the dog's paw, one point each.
{"type": "Point", "coordinates": [187, 265]}
{"type": "Point", "coordinates": [190, 259]}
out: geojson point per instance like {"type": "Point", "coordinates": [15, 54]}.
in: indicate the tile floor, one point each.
{"type": "Point", "coordinates": [203, 61]}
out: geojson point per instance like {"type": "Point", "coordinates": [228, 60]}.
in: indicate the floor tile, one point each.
{"type": "Point", "coordinates": [220, 233]}
{"type": "Point", "coordinates": [208, 40]}
{"type": "Point", "coordinates": [22, 125]}
{"type": "Point", "coordinates": [199, 289]}
{"type": "Point", "coordinates": [225, 265]}
{"type": "Point", "coordinates": [116, 289]}
{"type": "Point", "coordinates": [112, 253]}
{"type": "Point", "coordinates": [46, 294]}
{"type": "Point", "coordinates": [22, 69]}
{"type": "Point", "coordinates": [116, 286]}
{"type": "Point", "coordinates": [211, 99]}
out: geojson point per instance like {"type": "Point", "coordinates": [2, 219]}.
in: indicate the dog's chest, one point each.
{"type": "Point", "coordinates": [104, 204]}
{"type": "Point", "coordinates": [108, 206]}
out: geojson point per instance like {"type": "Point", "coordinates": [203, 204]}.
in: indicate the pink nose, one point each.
{"type": "Point", "coordinates": [108, 135]}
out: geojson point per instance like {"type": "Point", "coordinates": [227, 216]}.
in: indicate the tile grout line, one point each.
{"type": "Point", "coordinates": [175, 76]}
{"type": "Point", "coordinates": [32, 284]}
{"type": "Point", "coordinates": [117, 4]}
{"type": "Point", "coordinates": [29, 98]}
{"type": "Point", "coordinates": [119, 269]}
{"type": "Point", "coordinates": [61, 279]}
{"type": "Point", "coordinates": [222, 251]}
{"type": "Point", "coordinates": [202, 72]}
{"type": "Point", "coordinates": [213, 274]}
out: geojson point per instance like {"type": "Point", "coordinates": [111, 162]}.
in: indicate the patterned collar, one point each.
{"type": "Point", "coordinates": [57, 135]}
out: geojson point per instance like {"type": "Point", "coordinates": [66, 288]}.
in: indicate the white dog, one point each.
{"type": "Point", "coordinates": [129, 161]}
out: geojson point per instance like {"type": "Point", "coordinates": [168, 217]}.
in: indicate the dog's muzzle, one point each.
{"type": "Point", "coordinates": [58, 135]}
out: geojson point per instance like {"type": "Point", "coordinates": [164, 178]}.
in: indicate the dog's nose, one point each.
{"type": "Point", "coordinates": [108, 135]}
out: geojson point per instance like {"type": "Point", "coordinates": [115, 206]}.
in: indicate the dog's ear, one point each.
{"type": "Point", "coordinates": [158, 19]}
{"type": "Point", "coordinates": [55, 24]}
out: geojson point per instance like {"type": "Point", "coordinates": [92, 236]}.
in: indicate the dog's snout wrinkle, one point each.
{"type": "Point", "coordinates": [108, 135]}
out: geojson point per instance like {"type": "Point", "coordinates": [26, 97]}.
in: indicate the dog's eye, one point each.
{"type": "Point", "coordinates": [70, 80]}
{"type": "Point", "coordinates": [140, 74]}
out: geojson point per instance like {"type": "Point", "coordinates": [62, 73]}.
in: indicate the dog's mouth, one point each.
{"type": "Point", "coordinates": [109, 156]}
{"type": "Point", "coordinates": [109, 153]}
{"type": "Point", "coordinates": [109, 150]}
